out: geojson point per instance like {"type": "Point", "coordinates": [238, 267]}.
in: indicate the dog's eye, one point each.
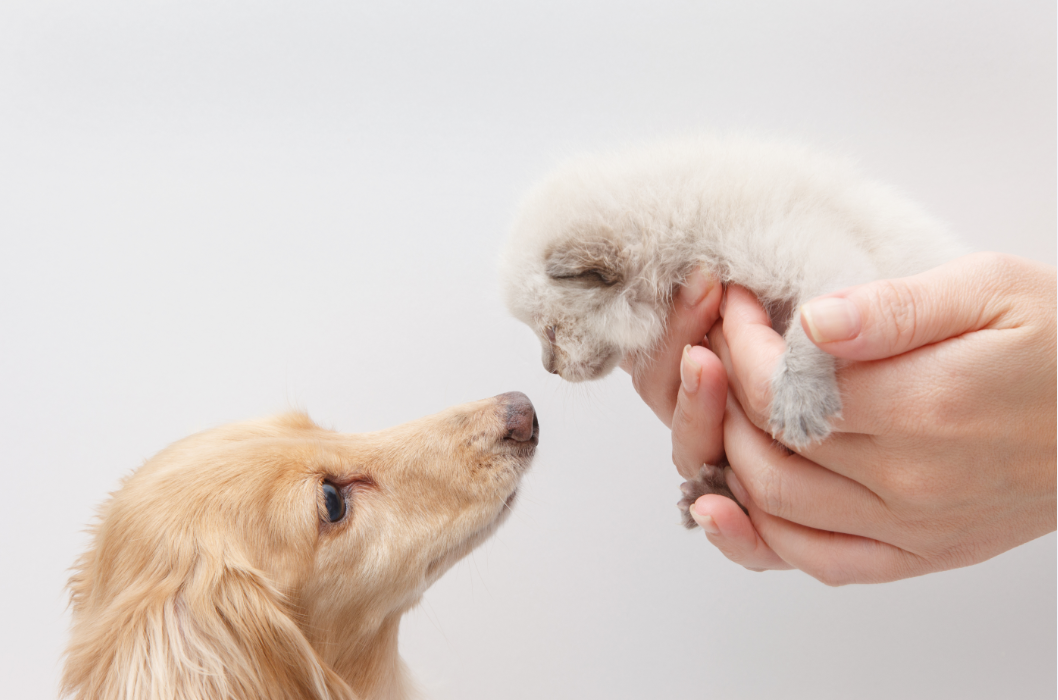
{"type": "Point", "coordinates": [334, 501]}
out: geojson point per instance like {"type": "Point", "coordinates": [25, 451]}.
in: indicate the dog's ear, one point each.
{"type": "Point", "coordinates": [218, 632]}
{"type": "Point", "coordinates": [592, 258]}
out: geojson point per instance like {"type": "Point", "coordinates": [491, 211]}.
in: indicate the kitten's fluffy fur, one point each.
{"type": "Point", "coordinates": [600, 245]}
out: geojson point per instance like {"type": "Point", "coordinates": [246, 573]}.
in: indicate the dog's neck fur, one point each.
{"type": "Point", "coordinates": [370, 663]}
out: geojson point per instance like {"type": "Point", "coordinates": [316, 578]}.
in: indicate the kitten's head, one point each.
{"type": "Point", "coordinates": [573, 272]}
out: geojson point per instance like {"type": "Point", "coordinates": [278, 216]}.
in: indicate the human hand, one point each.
{"type": "Point", "coordinates": [945, 452]}
{"type": "Point", "coordinates": [695, 308]}
{"type": "Point", "coordinates": [685, 384]}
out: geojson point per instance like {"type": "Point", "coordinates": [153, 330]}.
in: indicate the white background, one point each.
{"type": "Point", "coordinates": [212, 211]}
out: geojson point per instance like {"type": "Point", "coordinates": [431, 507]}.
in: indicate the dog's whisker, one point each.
{"type": "Point", "coordinates": [427, 607]}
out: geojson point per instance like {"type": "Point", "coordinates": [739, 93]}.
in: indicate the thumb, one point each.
{"type": "Point", "coordinates": [889, 317]}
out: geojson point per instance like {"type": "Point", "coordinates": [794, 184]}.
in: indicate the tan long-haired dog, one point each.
{"type": "Point", "coordinates": [274, 558]}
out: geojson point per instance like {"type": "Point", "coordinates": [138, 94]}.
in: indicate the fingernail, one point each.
{"type": "Point", "coordinates": [831, 319]}
{"type": "Point", "coordinates": [690, 372]}
{"type": "Point", "coordinates": [704, 521]}
{"type": "Point", "coordinates": [736, 486]}
{"type": "Point", "coordinates": [696, 287]}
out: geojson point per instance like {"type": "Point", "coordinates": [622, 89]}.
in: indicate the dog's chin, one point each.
{"type": "Point", "coordinates": [519, 457]}
{"type": "Point", "coordinates": [443, 563]}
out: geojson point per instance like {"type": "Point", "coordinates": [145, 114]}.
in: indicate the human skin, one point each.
{"type": "Point", "coordinates": [945, 452]}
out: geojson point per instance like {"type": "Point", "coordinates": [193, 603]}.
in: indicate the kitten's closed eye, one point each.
{"type": "Point", "coordinates": [592, 277]}
{"type": "Point", "coordinates": [591, 260]}
{"type": "Point", "coordinates": [615, 235]}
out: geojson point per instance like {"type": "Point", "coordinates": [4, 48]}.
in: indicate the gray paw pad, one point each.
{"type": "Point", "coordinates": [709, 480]}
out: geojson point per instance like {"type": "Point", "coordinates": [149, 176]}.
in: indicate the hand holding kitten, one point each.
{"type": "Point", "coordinates": [945, 452]}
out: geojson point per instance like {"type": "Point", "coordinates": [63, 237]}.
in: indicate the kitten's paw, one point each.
{"type": "Point", "coordinates": [709, 480]}
{"type": "Point", "coordinates": [802, 406]}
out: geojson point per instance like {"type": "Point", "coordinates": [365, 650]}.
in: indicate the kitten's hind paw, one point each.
{"type": "Point", "coordinates": [710, 479]}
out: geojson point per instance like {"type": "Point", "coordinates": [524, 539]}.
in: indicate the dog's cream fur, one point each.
{"type": "Point", "coordinates": [598, 248]}
{"type": "Point", "coordinates": [215, 571]}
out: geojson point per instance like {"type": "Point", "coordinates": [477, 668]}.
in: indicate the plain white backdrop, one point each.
{"type": "Point", "coordinates": [211, 211]}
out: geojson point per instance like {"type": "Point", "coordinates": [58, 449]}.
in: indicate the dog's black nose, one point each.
{"type": "Point", "coordinates": [522, 425]}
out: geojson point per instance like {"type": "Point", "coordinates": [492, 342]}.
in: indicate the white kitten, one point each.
{"type": "Point", "coordinates": [599, 247]}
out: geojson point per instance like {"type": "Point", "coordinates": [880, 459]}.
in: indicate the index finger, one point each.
{"type": "Point", "coordinates": [697, 424]}
{"type": "Point", "coordinates": [885, 318]}
{"type": "Point", "coordinates": [656, 377]}
{"type": "Point", "coordinates": [750, 350]}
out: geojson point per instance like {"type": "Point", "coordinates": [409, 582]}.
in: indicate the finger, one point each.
{"type": "Point", "coordinates": [890, 317]}
{"type": "Point", "coordinates": [788, 486]}
{"type": "Point", "coordinates": [835, 558]}
{"type": "Point", "coordinates": [656, 378]}
{"type": "Point", "coordinates": [894, 396]}
{"type": "Point", "coordinates": [751, 361]}
{"type": "Point", "coordinates": [749, 349]}
{"type": "Point", "coordinates": [698, 422]}
{"type": "Point", "coordinates": [730, 531]}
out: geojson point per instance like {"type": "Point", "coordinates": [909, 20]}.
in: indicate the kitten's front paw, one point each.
{"type": "Point", "coordinates": [710, 479]}
{"type": "Point", "coordinates": [802, 406]}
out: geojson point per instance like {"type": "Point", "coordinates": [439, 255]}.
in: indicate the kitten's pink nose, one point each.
{"type": "Point", "coordinates": [522, 425]}
{"type": "Point", "coordinates": [549, 363]}
{"type": "Point", "coordinates": [550, 357]}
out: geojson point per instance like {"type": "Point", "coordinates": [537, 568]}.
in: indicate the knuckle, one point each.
{"type": "Point", "coordinates": [682, 461]}
{"type": "Point", "coordinates": [737, 554]}
{"type": "Point", "coordinates": [902, 482]}
{"type": "Point", "coordinates": [950, 414]}
{"type": "Point", "coordinates": [994, 265]}
{"type": "Point", "coordinates": [938, 410]}
{"type": "Point", "coordinates": [896, 305]}
{"type": "Point", "coordinates": [831, 573]}
{"type": "Point", "coordinates": [919, 492]}
{"type": "Point", "coordinates": [767, 491]}
{"type": "Point", "coordinates": [733, 553]}
{"type": "Point", "coordinates": [999, 271]}
{"type": "Point", "coordinates": [758, 399]}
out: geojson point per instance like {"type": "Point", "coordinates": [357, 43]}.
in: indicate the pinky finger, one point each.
{"type": "Point", "coordinates": [835, 558]}
{"type": "Point", "coordinates": [730, 531]}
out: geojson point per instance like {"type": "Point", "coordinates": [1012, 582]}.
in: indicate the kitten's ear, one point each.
{"type": "Point", "coordinates": [590, 259]}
